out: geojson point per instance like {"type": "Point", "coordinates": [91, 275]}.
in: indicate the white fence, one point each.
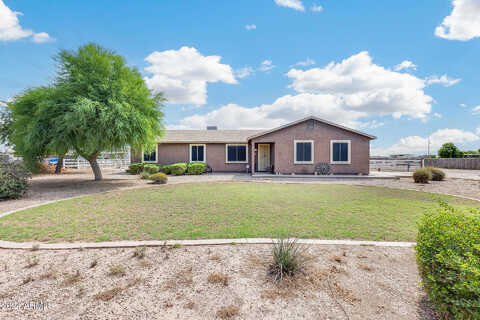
{"type": "Point", "coordinates": [395, 165]}
{"type": "Point", "coordinates": [80, 163]}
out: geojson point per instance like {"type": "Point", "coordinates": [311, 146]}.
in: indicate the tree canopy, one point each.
{"type": "Point", "coordinates": [96, 103]}
{"type": "Point", "coordinates": [449, 150]}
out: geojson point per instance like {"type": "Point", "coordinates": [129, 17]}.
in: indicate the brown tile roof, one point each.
{"type": "Point", "coordinates": [207, 136]}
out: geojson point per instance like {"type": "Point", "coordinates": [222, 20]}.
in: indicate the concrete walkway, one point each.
{"type": "Point", "coordinates": [157, 243]}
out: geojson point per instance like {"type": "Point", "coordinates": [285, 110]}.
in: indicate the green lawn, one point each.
{"type": "Point", "coordinates": [228, 210]}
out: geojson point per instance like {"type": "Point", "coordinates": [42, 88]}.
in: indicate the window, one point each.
{"type": "Point", "coordinates": [236, 153]}
{"type": "Point", "coordinates": [197, 153]}
{"type": "Point", "coordinates": [340, 151]}
{"type": "Point", "coordinates": [150, 157]}
{"type": "Point", "coordinates": [303, 152]}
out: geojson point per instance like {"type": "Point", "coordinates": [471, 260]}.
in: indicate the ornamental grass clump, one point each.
{"type": "Point", "coordinates": [448, 257]}
{"type": "Point", "coordinates": [288, 259]}
{"type": "Point", "coordinates": [422, 175]}
{"type": "Point", "coordinates": [437, 174]}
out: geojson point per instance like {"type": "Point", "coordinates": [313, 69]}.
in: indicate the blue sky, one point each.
{"type": "Point", "coordinates": [404, 71]}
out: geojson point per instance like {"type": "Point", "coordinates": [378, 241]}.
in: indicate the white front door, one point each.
{"type": "Point", "coordinates": [263, 157]}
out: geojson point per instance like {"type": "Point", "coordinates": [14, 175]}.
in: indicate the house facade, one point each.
{"type": "Point", "coordinates": [297, 147]}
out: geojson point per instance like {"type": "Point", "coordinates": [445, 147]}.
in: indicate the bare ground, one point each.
{"type": "Point", "coordinates": [208, 282]}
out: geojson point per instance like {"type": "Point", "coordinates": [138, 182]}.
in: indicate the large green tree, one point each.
{"type": "Point", "coordinates": [96, 103]}
{"type": "Point", "coordinates": [449, 150]}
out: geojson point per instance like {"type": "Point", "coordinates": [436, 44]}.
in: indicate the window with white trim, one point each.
{"type": "Point", "coordinates": [236, 153]}
{"type": "Point", "coordinates": [197, 152]}
{"type": "Point", "coordinates": [340, 151]}
{"type": "Point", "coordinates": [304, 151]}
{"type": "Point", "coordinates": [150, 157]}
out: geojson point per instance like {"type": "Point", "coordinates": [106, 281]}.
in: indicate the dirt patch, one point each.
{"type": "Point", "coordinates": [370, 283]}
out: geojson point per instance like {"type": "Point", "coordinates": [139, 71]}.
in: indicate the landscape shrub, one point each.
{"type": "Point", "coordinates": [178, 169]}
{"type": "Point", "coordinates": [437, 174]}
{"type": "Point", "coordinates": [288, 258]}
{"type": "Point", "coordinates": [159, 178]}
{"type": "Point", "coordinates": [135, 168]}
{"type": "Point", "coordinates": [165, 169]}
{"type": "Point", "coordinates": [197, 168]}
{"type": "Point", "coordinates": [422, 175]}
{"type": "Point", "coordinates": [151, 168]}
{"type": "Point", "coordinates": [13, 179]}
{"type": "Point", "coordinates": [448, 257]}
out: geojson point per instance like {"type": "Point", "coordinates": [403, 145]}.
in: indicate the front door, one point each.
{"type": "Point", "coordinates": [263, 157]}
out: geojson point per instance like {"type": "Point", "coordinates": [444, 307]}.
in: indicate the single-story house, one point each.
{"type": "Point", "coordinates": [296, 147]}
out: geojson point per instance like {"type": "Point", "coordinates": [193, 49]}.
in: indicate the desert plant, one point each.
{"type": "Point", "coordinates": [448, 257]}
{"type": "Point", "coordinates": [151, 168]}
{"type": "Point", "coordinates": [139, 252]}
{"type": "Point", "coordinates": [117, 270]}
{"type": "Point", "coordinates": [422, 175]}
{"type": "Point", "coordinates": [288, 258]}
{"type": "Point", "coordinates": [135, 168]}
{"type": "Point", "coordinates": [159, 178]}
{"type": "Point", "coordinates": [196, 168]}
{"type": "Point", "coordinates": [13, 179]}
{"type": "Point", "coordinates": [437, 174]}
{"type": "Point", "coordinates": [178, 169]}
{"type": "Point", "coordinates": [145, 175]}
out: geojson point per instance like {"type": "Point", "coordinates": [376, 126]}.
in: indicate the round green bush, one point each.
{"type": "Point", "coordinates": [422, 175]}
{"type": "Point", "coordinates": [448, 257]}
{"type": "Point", "coordinates": [135, 168]}
{"type": "Point", "coordinates": [437, 174]}
{"type": "Point", "coordinates": [151, 168]}
{"type": "Point", "coordinates": [13, 179]}
{"type": "Point", "coordinates": [178, 169]}
{"type": "Point", "coordinates": [160, 178]}
{"type": "Point", "coordinates": [196, 168]}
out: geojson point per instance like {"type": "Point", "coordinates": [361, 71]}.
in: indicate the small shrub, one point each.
{"type": "Point", "coordinates": [151, 168]}
{"type": "Point", "coordinates": [166, 169]}
{"type": "Point", "coordinates": [139, 252]}
{"type": "Point", "coordinates": [117, 270]}
{"type": "Point", "coordinates": [32, 261]}
{"type": "Point", "coordinates": [178, 169]}
{"type": "Point", "coordinates": [196, 168]}
{"type": "Point", "coordinates": [422, 175]}
{"type": "Point", "coordinates": [13, 179]}
{"type": "Point", "coordinates": [437, 174]}
{"type": "Point", "coordinates": [288, 258]}
{"type": "Point", "coordinates": [145, 175]}
{"type": "Point", "coordinates": [448, 257]}
{"type": "Point", "coordinates": [218, 278]}
{"type": "Point", "coordinates": [135, 168]}
{"type": "Point", "coordinates": [228, 312]}
{"type": "Point", "coordinates": [159, 178]}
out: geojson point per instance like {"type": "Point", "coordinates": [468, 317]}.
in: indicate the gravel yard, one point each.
{"type": "Point", "coordinates": [208, 282]}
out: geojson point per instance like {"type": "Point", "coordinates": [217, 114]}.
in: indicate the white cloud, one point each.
{"type": "Point", "coordinates": [364, 86]}
{"type": "Point", "coordinates": [183, 74]}
{"type": "Point", "coordinates": [405, 65]}
{"type": "Point", "coordinates": [417, 144]}
{"type": "Point", "coordinates": [10, 28]}
{"type": "Point", "coordinates": [478, 130]}
{"type": "Point", "coordinates": [443, 80]}
{"type": "Point", "coordinates": [292, 4]}
{"type": "Point", "coordinates": [41, 37]}
{"type": "Point", "coordinates": [244, 72]}
{"type": "Point", "coordinates": [250, 27]}
{"type": "Point", "coordinates": [476, 110]}
{"type": "Point", "coordinates": [266, 66]}
{"type": "Point", "coordinates": [305, 63]}
{"type": "Point", "coordinates": [317, 8]}
{"type": "Point", "coordinates": [463, 105]}
{"type": "Point", "coordinates": [463, 23]}
{"type": "Point", "coordinates": [438, 115]}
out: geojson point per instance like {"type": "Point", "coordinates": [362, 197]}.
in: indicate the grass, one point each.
{"type": "Point", "coordinates": [228, 210]}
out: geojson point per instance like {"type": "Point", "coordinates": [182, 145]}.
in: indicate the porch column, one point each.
{"type": "Point", "coordinates": [252, 151]}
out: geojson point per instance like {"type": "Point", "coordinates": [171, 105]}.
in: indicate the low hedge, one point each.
{"type": "Point", "coordinates": [422, 175]}
{"type": "Point", "coordinates": [151, 168]}
{"type": "Point", "coordinates": [448, 257]}
{"type": "Point", "coordinates": [135, 168]}
{"type": "Point", "coordinates": [196, 168]}
{"type": "Point", "coordinates": [178, 169]}
{"type": "Point", "coordinates": [160, 178]}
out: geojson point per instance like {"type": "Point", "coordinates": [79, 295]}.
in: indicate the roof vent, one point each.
{"type": "Point", "coordinates": [212, 128]}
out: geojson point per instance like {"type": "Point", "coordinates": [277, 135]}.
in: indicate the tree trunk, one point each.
{"type": "Point", "coordinates": [58, 168]}
{"type": "Point", "coordinates": [95, 167]}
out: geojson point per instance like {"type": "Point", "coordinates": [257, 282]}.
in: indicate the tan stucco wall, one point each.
{"type": "Point", "coordinates": [321, 134]}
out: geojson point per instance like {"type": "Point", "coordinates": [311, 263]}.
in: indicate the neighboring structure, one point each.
{"type": "Point", "coordinates": [296, 147]}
